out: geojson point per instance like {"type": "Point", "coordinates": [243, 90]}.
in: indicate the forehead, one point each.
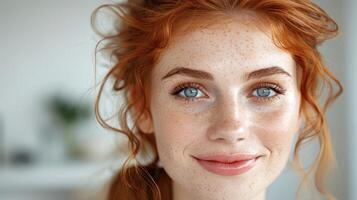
{"type": "Point", "coordinates": [235, 43]}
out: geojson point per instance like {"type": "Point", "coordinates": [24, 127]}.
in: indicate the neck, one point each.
{"type": "Point", "coordinates": [180, 193]}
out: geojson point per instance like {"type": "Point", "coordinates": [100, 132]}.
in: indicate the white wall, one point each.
{"type": "Point", "coordinates": [350, 61]}
{"type": "Point", "coordinates": [46, 47]}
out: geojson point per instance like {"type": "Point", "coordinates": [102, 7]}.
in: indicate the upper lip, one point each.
{"type": "Point", "coordinates": [227, 158]}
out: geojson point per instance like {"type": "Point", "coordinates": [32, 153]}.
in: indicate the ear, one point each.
{"type": "Point", "coordinates": [145, 123]}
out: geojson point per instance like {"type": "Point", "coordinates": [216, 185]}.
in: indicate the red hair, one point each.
{"type": "Point", "coordinates": [143, 30]}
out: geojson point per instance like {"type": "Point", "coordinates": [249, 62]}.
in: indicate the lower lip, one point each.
{"type": "Point", "coordinates": [228, 169]}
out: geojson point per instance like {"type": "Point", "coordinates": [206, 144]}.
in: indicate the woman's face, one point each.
{"type": "Point", "coordinates": [224, 89]}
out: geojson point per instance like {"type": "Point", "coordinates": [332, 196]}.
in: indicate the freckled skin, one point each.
{"type": "Point", "coordinates": [225, 118]}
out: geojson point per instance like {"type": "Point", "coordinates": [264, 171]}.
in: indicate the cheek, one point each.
{"type": "Point", "coordinates": [276, 130]}
{"type": "Point", "coordinates": [174, 130]}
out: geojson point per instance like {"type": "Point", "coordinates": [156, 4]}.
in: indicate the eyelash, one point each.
{"type": "Point", "coordinates": [275, 87]}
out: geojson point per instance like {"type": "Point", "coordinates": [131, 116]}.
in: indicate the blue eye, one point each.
{"type": "Point", "coordinates": [188, 91]}
{"type": "Point", "coordinates": [264, 92]}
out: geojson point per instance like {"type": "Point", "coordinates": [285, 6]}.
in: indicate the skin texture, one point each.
{"type": "Point", "coordinates": [226, 116]}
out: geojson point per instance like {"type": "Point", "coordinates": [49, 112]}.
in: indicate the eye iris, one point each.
{"type": "Point", "coordinates": [263, 92]}
{"type": "Point", "coordinates": [190, 92]}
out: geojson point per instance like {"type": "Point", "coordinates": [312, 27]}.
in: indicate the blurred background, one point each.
{"type": "Point", "coordinates": [50, 144]}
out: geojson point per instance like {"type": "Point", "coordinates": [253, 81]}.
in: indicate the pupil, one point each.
{"type": "Point", "coordinates": [263, 92]}
{"type": "Point", "coordinates": [190, 92]}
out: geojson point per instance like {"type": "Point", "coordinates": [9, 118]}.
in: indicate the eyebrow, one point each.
{"type": "Point", "coordinates": [208, 76]}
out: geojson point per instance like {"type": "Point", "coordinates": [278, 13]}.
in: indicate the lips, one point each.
{"type": "Point", "coordinates": [227, 158]}
{"type": "Point", "coordinates": [227, 164]}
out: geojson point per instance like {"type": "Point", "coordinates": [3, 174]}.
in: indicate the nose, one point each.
{"type": "Point", "coordinates": [229, 123]}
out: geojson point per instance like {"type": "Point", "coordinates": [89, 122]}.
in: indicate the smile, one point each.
{"type": "Point", "coordinates": [228, 168]}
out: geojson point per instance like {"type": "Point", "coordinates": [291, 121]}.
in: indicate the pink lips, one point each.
{"type": "Point", "coordinates": [227, 164]}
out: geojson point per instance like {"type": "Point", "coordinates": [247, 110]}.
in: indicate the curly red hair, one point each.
{"type": "Point", "coordinates": [145, 28]}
